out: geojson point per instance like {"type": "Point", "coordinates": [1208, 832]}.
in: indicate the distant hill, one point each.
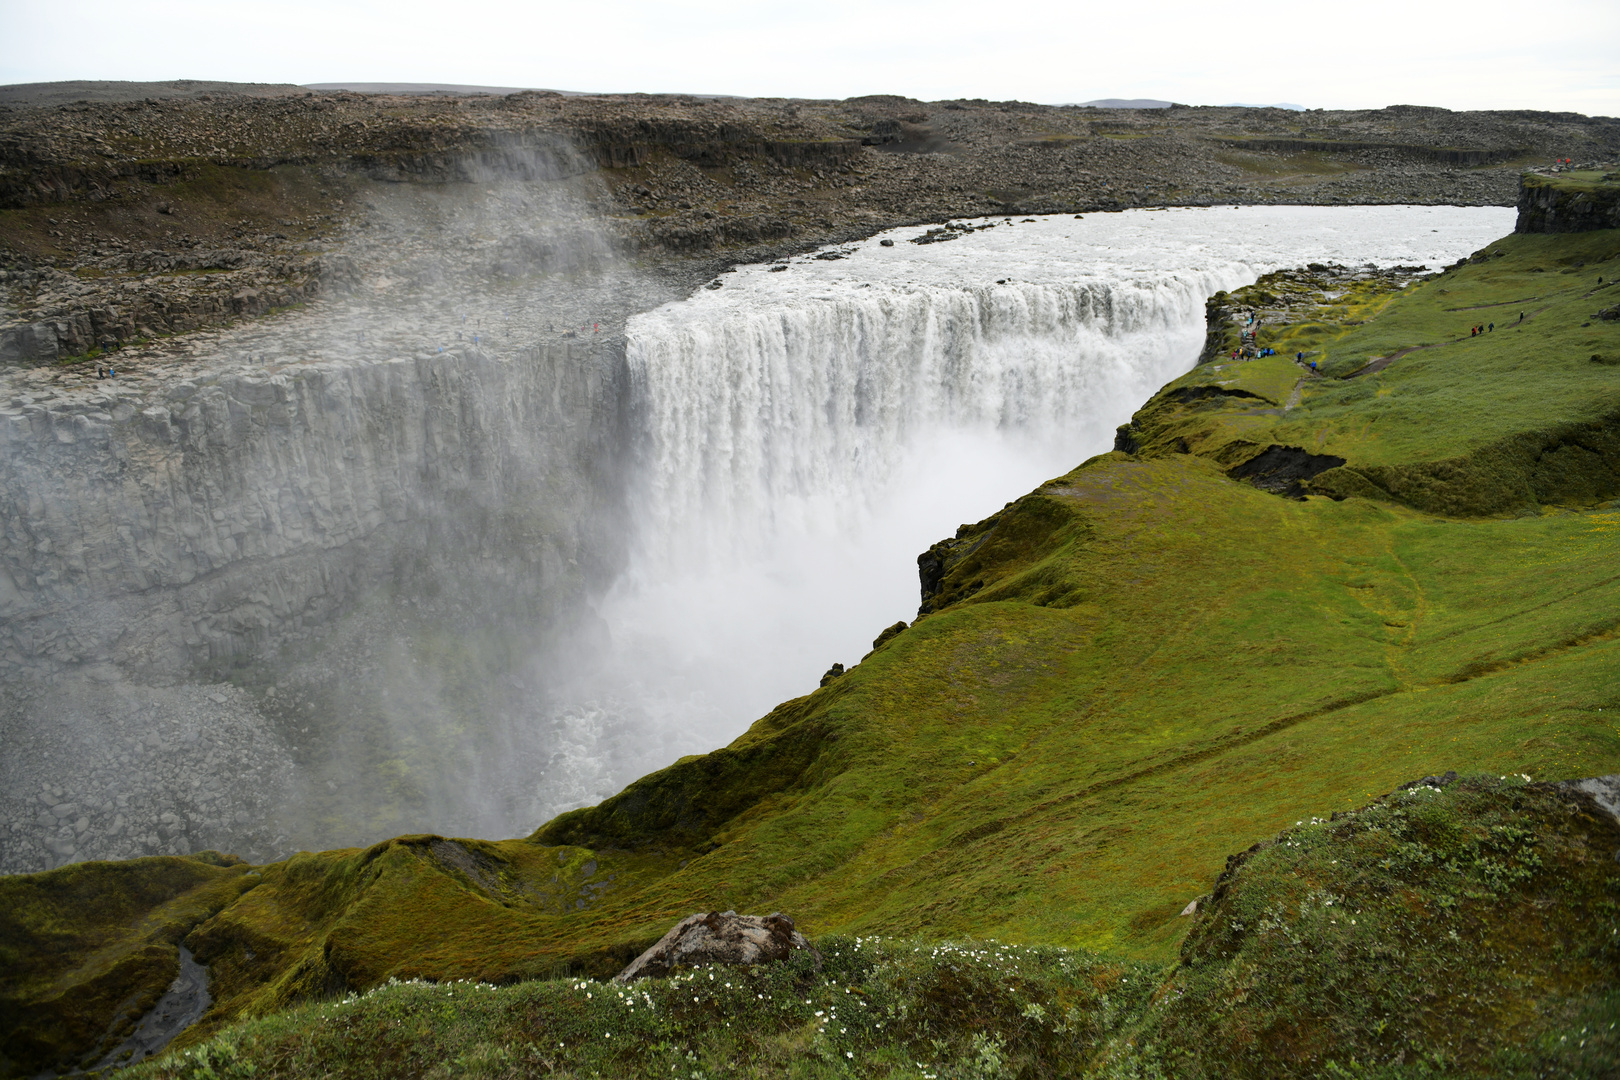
{"type": "Point", "coordinates": [63, 93]}
{"type": "Point", "coordinates": [1155, 103]}
{"type": "Point", "coordinates": [1128, 103]}
{"type": "Point", "coordinates": [453, 89]}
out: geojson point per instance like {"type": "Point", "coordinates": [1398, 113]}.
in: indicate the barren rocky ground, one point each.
{"type": "Point", "coordinates": [131, 211]}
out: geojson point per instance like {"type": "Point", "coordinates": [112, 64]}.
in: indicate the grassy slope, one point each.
{"type": "Point", "coordinates": [1473, 930]}
{"type": "Point", "coordinates": [87, 949]}
{"type": "Point", "coordinates": [1131, 673]}
{"type": "Point", "coordinates": [1500, 423]}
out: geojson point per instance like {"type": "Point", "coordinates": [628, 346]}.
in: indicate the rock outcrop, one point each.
{"type": "Point", "coordinates": [1576, 200]}
{"type": "Point", "coordinates": [159, 294]}
{"type": "Point", "coordinates": [718, 937]}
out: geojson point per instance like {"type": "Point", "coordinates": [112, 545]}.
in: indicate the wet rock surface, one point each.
{"type": "Point", "coordinates": [97, 767]}
{"type": "Point", "coordinates": [180, 1006]}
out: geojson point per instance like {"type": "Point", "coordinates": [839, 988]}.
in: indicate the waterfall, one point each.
{"type": "Point", "coordinates": [363, 580]}
{"type": "Point", "coordinates": [796, 418]}
{"type": "Point", "coordinates": [805, 428]}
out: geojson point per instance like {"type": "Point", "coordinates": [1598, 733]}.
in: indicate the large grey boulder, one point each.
{"type": "Point", "coordinates": [718, 937]}
{"type": "Point", "coordinates": [1604, 790]}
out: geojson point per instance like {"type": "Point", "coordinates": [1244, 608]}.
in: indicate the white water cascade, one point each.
{"type": "Point", "coordinates": [807, 428]}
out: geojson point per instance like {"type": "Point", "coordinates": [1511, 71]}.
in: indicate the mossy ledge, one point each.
{"type": "Point", "coordinates": [1115, 682]}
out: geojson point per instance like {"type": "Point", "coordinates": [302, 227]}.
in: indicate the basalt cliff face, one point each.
{"type": "Point", "coordinates": [188, 556]}
{"type": "Point", "coordinates": [171, 526]}
{"type": "Point", "coordinates": [1569, 200]}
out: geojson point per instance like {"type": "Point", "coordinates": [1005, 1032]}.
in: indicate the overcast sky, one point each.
{"type": "Point", "coordinates": [1483, 54]}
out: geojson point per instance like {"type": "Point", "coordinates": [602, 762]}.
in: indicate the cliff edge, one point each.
{"type": "Point", "coordinates": [1573, 200]}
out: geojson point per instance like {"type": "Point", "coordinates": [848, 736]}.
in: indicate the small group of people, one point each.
{"type": "Point", "coordinates": [108, 347]}
{"type": "Point", "coordinates": [1483, 328]}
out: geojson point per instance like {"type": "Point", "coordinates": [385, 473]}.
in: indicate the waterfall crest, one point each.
{"type": "Point", "coordinates": [771, 420]}
{"type": "Point", "coordinates": [804, 429]}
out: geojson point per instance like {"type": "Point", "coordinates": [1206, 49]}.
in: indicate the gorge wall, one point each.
{"type": "Point", "coordinates": [167, 544]}
{"type": "Point", "coordinates": [216, 516]}
{"type": "Point", "coordinates": [1568, 201]}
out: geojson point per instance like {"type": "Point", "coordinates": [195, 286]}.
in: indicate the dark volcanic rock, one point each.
{"type": "Point", "coordinates": [718, 937]}
{"type": "Point", "coordinates": [1565, 202]}
{"type": "Point", "coordinates": [1283, 470]}
{"type": "Point", "coordinates": [1436, 782]}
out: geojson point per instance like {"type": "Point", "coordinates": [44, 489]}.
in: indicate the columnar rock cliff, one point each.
{"type": "Point", "coordinates": [217, 515]}
{"type": "Point", "coordinates": [1578, 200]}
{"type": "Point", "coordinates": [163, 537]}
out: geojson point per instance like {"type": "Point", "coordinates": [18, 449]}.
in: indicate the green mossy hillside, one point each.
{"type": "Point", "coordinates": [1471, 929]}
{"type": "Point", "coordinates": [1466, 930]}
{"type": "Point", "coordinates": [88, 948]}
{"type": "Point", "coordinates": [1421, 409]}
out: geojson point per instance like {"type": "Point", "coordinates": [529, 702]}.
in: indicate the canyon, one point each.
{"type": "Point", "coordinates": [366, 449]}
{"type": "Point", "coordinates": [442, 589]}
{"type": "Point", "coordinates": [381, 469]}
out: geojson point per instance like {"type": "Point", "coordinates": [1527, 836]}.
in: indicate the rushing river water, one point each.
{"type": "Point", "coordinates": [805, 431]}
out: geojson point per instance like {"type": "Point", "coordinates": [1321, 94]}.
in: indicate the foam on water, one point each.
{"type": "Point", "coordinates": [805, 433]}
